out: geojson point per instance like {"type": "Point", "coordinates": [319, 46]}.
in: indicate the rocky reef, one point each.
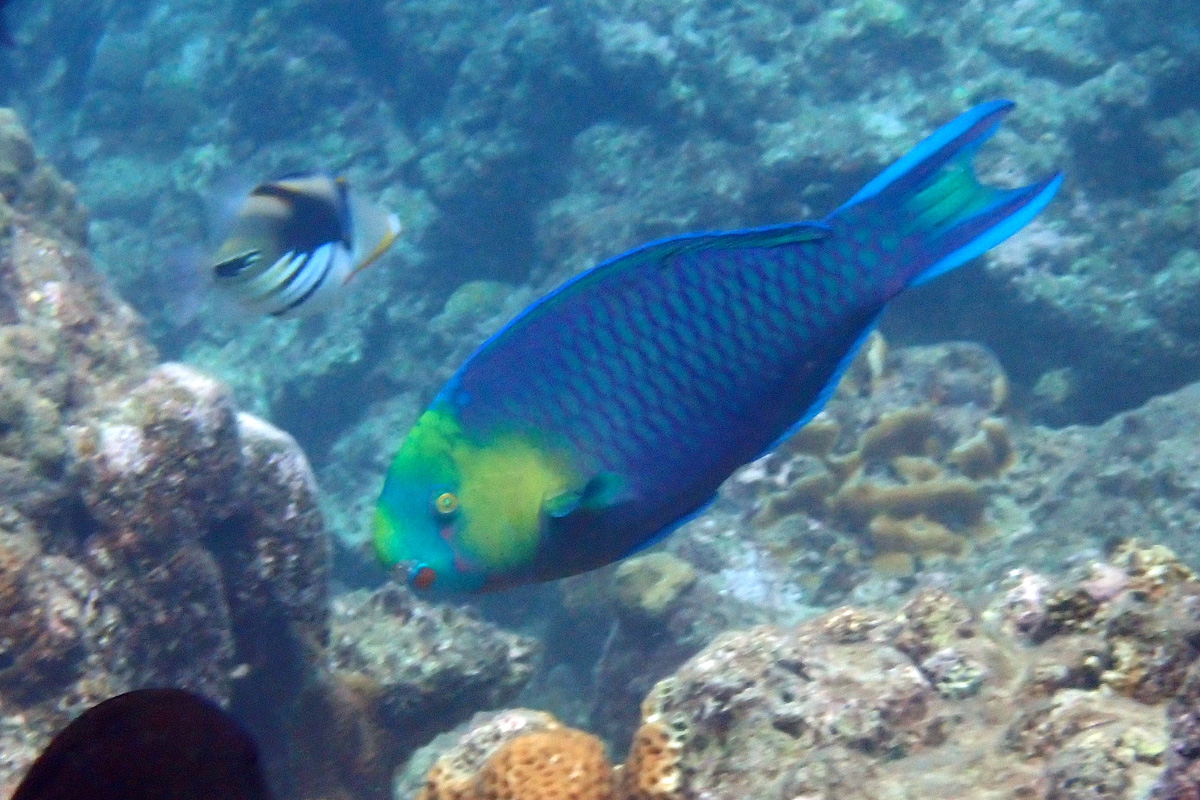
{"type": "Point", "coordinates": [151, 534]}
{"type": "Point", "coordinates": [1076, 688]}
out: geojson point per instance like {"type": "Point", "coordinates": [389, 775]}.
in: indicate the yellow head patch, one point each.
{"type": "Point", "coordinates": [502, 488]}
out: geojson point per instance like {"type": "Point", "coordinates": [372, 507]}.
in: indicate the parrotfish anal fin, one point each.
{"type": "Point", "coordinates": [602, 491]}
{"type": "Point", "coordinates": [933, 192]}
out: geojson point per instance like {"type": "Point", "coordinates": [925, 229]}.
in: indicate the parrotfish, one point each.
{"type": "Point", "coordinates": [609, 412]}
{"type": "Point", "coordinates": [6, 39]}
{"type": "Point", "coordinates": [294, 242]}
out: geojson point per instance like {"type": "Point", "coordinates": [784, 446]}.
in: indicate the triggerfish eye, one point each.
{"type": "Point", "coordinates": [422, 577]}
{"type": "Point", "coordinates": [445, 503]}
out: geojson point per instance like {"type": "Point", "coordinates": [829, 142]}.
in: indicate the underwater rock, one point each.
{"type": "Point", "coordinates": [400, 671]}
{"type": "Point", "coordinates": [1137, 474]}
{"type": "Point", "coordinates": [54, 638]}
{"type": "Point", "coordinates": [32, 189]}
{"type": "Point", "coordinates": [1127, 624]}
{"type": "Point", "coordinates": [165, 463]}
{"type": "Point", "coordinates": [428, 657]}
{"type": "Point", "coordinates": [274, 551]}
{"type": "Point", "coordinates": [149, 534]}
{"type": "Point", "coordinates": [862, 704]}
{"type": "Point", "coordinates": [175, 615]}
{"type": "Point", "coordinates": [783, 697]}
{"type": "Point", "coordinates": [1181, 778]}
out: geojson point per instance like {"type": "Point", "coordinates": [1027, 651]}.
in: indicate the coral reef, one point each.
{"type": "Point", "coordinates": [909, 477]}
{"type": "Point", "coordinates": [1041, 694]}
{"type": "Point", "coordinates": [859, 703]}
{"type": "Point", "coordinates": [398, 672]}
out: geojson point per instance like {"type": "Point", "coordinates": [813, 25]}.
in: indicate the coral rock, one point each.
{"type": "Point", "coordinates": [649, 585]}
{"type": "Point", "coordinates": [651, 770]}
{"type": "Point", "coordinates": [521, 755]}
{"type": "Point", "coordinates": [555, 764]}
{"type": "Point", "coordinates": [164, 463]}
{"type": "Point", "coordinates": [402, 670]}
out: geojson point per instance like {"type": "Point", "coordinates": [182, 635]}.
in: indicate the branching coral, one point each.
{"type": "Point", "coordinates": [910, 483]}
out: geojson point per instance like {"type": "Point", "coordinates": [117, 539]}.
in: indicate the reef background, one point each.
{"type": "Point", "coordinates": [1028, 412]}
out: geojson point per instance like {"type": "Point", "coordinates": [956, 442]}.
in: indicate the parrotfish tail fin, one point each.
{"type": "Point", "coordinates": [942, 211]}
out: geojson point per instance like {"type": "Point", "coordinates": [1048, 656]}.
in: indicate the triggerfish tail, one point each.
{"type": "Point", "coordinates": [935, 211]}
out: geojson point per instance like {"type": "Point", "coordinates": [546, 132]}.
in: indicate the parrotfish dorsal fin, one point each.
{"type": "Point", "coordinates": [767, 236]}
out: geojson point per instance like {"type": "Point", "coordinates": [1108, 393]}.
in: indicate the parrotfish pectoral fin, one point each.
{"type": "Point", "coordinates": [602, 491]}
{"type": "Point", "coordinates": [933, 190]}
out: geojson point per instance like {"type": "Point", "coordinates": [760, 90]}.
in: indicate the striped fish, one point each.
{"type": "Point", "coordinates": [610, 411]}
{"type": "Point", "coordinates": [295, 242]}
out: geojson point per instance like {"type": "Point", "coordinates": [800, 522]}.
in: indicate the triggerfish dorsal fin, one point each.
{"type": "Point", "coordinates": [936, 194]}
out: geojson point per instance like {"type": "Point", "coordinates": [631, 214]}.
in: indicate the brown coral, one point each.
{"type": "Point", "coordinates": [556, 764]}
{"type": "Point", "coordinates": [552, 762]}
{"type": "Point", "coordinates": [910, 484]}
{"type": "Point", "coordinates": [651, 770]}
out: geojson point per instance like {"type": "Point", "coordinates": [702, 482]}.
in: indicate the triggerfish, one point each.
{"type": "Point", "coordinates": [610, 411]}
{"type": "Point", "coordinates": [294, 242]}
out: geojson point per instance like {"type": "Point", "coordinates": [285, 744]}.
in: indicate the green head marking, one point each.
{"type": "Point", "coordinates": [464, 514]}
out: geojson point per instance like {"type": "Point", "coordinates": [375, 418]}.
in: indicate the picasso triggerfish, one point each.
{"type": "Point", "coordinates": [611, 410]}
{"type": "Point", "coordinates": [296, 241]}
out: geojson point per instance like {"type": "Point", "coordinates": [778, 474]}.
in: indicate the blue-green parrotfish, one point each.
{"type": "Point", "coordinates": [609, 412]}
{"type": "Point", "coordinates": [6, 39]}
{"type": "Point", "coordinates": [294, 242]}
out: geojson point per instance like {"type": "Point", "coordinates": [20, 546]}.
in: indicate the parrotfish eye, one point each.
{"type": "Point", "coordinates": [422, 576]}
{"type": "Point", "coordinates": [445, 503]}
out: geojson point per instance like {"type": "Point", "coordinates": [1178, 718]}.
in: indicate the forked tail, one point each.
{"type": "Point", "coordinates": [941, 215]}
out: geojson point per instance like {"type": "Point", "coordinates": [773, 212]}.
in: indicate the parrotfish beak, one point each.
{"type": "Point", "coordinates": [417, 554]}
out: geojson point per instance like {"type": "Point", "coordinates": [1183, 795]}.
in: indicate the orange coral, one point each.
{"type": "Point", "coordinates": [651, 770]}
{"type": "Point", "coordinates": [556, 763]}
